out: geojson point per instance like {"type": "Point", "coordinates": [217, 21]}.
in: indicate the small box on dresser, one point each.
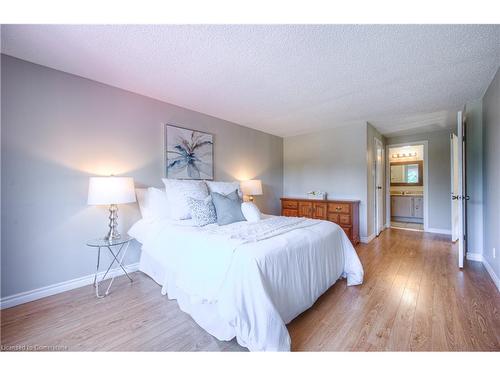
{"type": "Point", "coordinates": [342, 212]}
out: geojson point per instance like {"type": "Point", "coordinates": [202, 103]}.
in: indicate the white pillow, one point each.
{"type": "Point", "coordinates": [139, 230]}
{"type": "Point", "coordinates": [250, 211]}
{"type": "Point", "coordinates": [157, 206]}
{"type": "Point", "coordinates": [178, 191]}
{"type": "Point", "coordinates": [141, 195]}
{"type": "Point", "coordinates": [152, 203]}
{"type": "Point", "coordinates": [224, 188]}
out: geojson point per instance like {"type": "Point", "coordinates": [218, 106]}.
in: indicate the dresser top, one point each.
{"type": "Point", "coordinates": [319, 200]}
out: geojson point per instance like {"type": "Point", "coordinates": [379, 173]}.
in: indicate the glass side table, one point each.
{"type": "Point", "coordinates": [121, 243]}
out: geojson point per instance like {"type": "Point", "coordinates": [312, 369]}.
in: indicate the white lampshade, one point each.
{"type": "Point", "coordinates": [251, 187]}
{"type": "Point", "coordinates": [111, 190]}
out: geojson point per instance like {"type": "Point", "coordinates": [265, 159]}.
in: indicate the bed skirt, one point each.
{"type": "Point", "coordinates": [204, 314]}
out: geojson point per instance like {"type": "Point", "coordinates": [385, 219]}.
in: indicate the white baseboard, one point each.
{"type": "Point", "coordinates": [23, 297]}
{"type": "Point", "coordinates": [493, 275]}
{"type": "Point", "coordinates": [438, 231]}
{"type": "Point", "coordinates": [367, 239]}
{"type": "Point", "coordinates": [475, 257]}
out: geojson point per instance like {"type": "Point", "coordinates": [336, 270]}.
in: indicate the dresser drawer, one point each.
{"type": "Point", "coordinates": [290, 204]}
{"type": "Point", "coordinates": [333, 217]}
{"type": "Point", "coordinates": [347, 231]}
{"type": "Point", "coordinates": [339, 207]}
{"type": "Point", "coordinates": [345, 219]}
{"type": "Point", "coordinates": [289, 212]}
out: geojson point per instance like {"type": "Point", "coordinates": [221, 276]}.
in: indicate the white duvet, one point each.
{"type": "Point", "coordinates": [247, 280]}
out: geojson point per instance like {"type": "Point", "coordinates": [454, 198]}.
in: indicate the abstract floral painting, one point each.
{"type": "Point", "coordinates": [189, 153]}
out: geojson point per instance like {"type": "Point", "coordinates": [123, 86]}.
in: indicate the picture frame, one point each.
{"type": "Point", "coordinates": [188, 153]}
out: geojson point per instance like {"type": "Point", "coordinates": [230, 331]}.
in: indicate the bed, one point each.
{"type": "Point", "coordinates": [247, 280]}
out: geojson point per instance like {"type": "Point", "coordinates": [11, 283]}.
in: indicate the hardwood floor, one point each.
{"type": "Point", "coordinates": [414, 298]}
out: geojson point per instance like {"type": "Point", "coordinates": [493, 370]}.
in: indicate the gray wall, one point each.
{"type": "Point", "coordinates": [491, 174]}
{"type": "Point", "coordinates": [372, 133]}
{"type": "Point", "coordinates": [57, 130]}
{"type": "Point", "coordinates": [334, 161]}
{"type": "Point", "coordinates": [439, 175]}
{"type": "Point", "coordinates": [474, 161]}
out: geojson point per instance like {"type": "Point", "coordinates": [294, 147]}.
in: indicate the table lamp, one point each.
{"type": "Point", "coordinates": [111, 191]}
{"type": "Point", "coordinates": [251, 188]}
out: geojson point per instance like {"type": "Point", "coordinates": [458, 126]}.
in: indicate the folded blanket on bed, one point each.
{"type": "Point", "coordinates": [245, 231]}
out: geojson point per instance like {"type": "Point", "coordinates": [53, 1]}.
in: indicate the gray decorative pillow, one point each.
{"type": "Point", "coordinates": [202, 211]}
{"type": "Point", "coordinates": [227, 207]}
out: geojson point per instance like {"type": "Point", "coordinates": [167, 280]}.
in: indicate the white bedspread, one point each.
{"type": "Point", "coordinates": [253, 277]}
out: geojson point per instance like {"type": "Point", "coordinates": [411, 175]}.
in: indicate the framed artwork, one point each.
{"type": "Point", "coordinates": [189, 154]}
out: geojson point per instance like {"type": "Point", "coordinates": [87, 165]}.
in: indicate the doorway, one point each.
{"type": "Point", "coordinates": [407, 186]}
{"type": "Point", "coordinates": [379, 184]}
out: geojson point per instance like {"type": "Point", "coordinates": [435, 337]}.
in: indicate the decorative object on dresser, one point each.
{"type": "Point", "coordinates": [316, 194]}
{"type": "Point", "coordinates": [189, 154]}
{"type": "Point", "coordinates": [342, 212]}
{"type": "Point", "coordinates": [250, 188]}
{"type": "Point", "coordinates": [111, 191]}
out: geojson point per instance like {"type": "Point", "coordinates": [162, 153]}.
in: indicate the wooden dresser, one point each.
{"type": "Point", "coordinates": [342, 212]}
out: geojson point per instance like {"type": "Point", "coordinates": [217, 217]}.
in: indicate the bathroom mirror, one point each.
{"type": "Point", "coordinates": [407, 173]}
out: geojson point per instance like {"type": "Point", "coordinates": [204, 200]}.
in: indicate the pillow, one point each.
{"type": "Point", "coordinates": [156, 204]}
{"type": "Point", "coordinates": [152, 203]}
{"type": "Point", "coordinates": [250, 211]}
{"type": "Point", "coordinates": [202, 211]}
{"type": "Point", "coordinates": [224, 188]}
{"type": "Point", "coordinates": [177, 193]}
{"type": "Point", "coordinates": [139, 230]}
{"type": "Point", "coordinates": [227, 208]}
{"type": "Point", "coordinates": [141, 195]}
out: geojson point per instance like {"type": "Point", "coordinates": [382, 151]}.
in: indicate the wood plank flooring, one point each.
{"type": "Point", "coordinates": [414, 298]}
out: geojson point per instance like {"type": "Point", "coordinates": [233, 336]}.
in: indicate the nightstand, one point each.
{"type": "Point", "coordinates": [118, 245]}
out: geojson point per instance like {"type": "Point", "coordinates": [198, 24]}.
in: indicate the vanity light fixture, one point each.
{"type": "Point", "coordinates": [404, 155]}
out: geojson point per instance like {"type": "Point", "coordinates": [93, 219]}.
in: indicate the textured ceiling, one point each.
{"type": "Point", "coordinates": [282, 79]}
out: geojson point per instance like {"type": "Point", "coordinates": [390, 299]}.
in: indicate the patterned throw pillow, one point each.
{"type": "Point", "coordinates": [202, 211]}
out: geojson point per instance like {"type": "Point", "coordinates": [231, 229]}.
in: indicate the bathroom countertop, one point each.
{"type": "Point", "coordinates": [407, 195]}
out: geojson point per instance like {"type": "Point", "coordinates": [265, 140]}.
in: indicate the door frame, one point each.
{"type": "Point", "coordinates": [425, 143]}
{"type": "Point", "coordinates": [379, 227]}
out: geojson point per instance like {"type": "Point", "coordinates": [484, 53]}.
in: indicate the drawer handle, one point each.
{"type": "Point", "coordinates": [338, 208]}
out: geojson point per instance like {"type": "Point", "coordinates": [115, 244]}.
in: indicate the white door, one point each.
{"type": "Point", "coordinates": [379, 186]}
{"type": "Point", "coordinates": [459, 192]}
{"type": "Point", "coordinates": [454, 187]}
